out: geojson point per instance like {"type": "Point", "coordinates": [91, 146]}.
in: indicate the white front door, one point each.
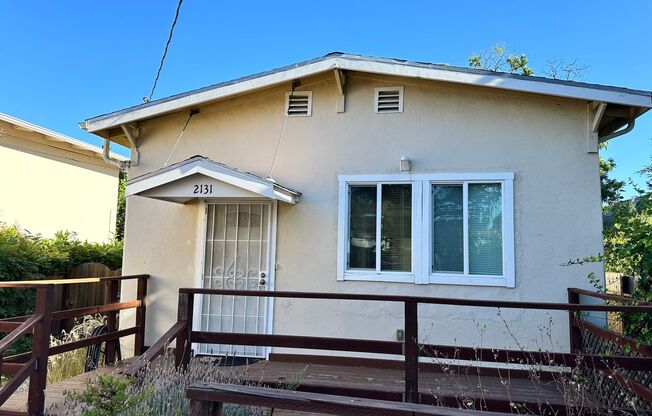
{"type": "Point", "coordinates": [236, 256]}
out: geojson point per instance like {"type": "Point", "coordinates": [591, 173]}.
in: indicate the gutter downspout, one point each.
{"type": "Point", "coordinates": [106, 155]}
{"type": "Point", "coordinates": [630, 127]}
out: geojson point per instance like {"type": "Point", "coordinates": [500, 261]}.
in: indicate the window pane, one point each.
{"type": "Point", "coordinates": [362, 227]}
{"type": "Point", "coordinates": [485, 229]}
{"type": "Point", "coordinates": [396, 228]}
{"type": "Point", "coordinates": [447, 228]}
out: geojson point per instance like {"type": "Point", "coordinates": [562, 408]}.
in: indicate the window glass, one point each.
{"type": "Point", "coordinates": [396, 228]}
{"type": "Point", "coordinates": [362, 227]}
{"type": "Point", "coordinates": [447, 228]}
{"type": "Point", "coordinates": [485, 229]}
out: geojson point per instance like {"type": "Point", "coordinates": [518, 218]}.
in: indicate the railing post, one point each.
{"type": "Point", "coordinates": [411, 353]}
{"type": "Point", "coordinates": [574, 333]}
{"type": "Point", "coordinates": [111, 296]}
{"type": "Point", "coordinates": [204, 408]}
{"type": "Point", "coordinates": [141, 294]}
{"type": "Point", "coordinates": [183, 345]}
{"type": "Point", "coordinates": [40, 350]}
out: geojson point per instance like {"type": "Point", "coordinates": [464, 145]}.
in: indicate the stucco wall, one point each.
{"type": "Point", "coordinates": [48, 192]}
{"type": "Point", "coordinates": [444, 128]}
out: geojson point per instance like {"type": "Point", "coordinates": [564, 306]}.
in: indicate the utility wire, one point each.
{"type": "Point", "coordinates": [165, 52]}
{"type": "Point", "coordinates": [183, 130]}
{"type": "Point", "coordinates": [280, 136]}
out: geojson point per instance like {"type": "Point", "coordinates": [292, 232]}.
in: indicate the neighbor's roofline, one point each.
{"type": "Point", "coordinates": [55, 135]}
{"type": "Point", "coordinates": [383, 66]}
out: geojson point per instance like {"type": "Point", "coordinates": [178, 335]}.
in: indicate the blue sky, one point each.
{"type": "Point", "coordinates": [64, 61]}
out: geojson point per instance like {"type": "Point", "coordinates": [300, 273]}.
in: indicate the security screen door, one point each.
{"type": "Point", "coordinates": [236, 257]}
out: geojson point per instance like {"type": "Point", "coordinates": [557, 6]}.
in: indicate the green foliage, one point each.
{"type": "Point", "coordinates": [627, 243]}
{"type": "Point", "coordinates": [109, 395]}
{"type": "Point", "coordinates": [122, 206]}
{"type": "Point", "coordinates": [610, 189]}
{"type": "Point", "coordinates": [24, 256]}
{"type": "Point", "coordinates": [498, 58]}
{"type": "Point", "coordinates": [628, 250]}
{"type": "Point", "coordinates": [20, 255]}
{"type": "Point", "coordinates": [159, 389]}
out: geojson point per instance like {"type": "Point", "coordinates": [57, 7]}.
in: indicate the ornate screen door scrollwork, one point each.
{"type": "Point", "coordinates": [236, 256]}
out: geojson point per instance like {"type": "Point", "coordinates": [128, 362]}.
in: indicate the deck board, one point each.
{"type": "Point", "coordinates": [382, 383]}
{"type": "Point", "coordinates": [55, 392]}
{"type": "Point", "coordinates": [390, 381]}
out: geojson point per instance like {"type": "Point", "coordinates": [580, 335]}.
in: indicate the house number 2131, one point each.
{"type": "Point", "coordinates": [202, 189]}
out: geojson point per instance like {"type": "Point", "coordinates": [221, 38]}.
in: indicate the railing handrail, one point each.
{"type": "Point", "coordinates": [26, 284]}
{"type": "Point", "coordinates": [23, 329]}
{"type": "Point", "coordinates": [421, 299]}
{"type": "Point", "coordinates": [608, 296]}
{"type": "Point", "coordinates": [40, 324]}
{"type": "Point", "coordinates": [80, 312]}
{"type": "Point", "coordinates": [158, 348]}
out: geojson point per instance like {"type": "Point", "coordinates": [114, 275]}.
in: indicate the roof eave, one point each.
{"type": "Point", "coordinates": [582, 91]}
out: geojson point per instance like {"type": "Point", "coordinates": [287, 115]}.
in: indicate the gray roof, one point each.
{"type": "Point", "coordinates": [535, 84]}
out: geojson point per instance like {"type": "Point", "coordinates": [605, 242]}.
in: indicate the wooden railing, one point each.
{"type": "Point", "coordinates": [410, 348]}
{"type": "Point", "coordinates": [628, 385]}
{"type": "Point", "coordinates": [33, 364]}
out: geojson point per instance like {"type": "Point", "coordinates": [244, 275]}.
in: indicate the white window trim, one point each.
{"type": "Point", "coordinates": [374, 275]}
{"type": "Point", "coordinates": [400, 99]}
{"type": "Point", "coordinates": [421, 205]}
{"type": "Point", "coordinates": [298, 94]}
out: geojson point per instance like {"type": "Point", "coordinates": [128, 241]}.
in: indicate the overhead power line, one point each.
{"type": "Point", "coordinates": [165, 52]}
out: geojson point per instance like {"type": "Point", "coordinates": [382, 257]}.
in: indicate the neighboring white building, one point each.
{"type": "Point", "coordinates": [51, 182]}
{"type": "Point", "coordinates": [397, 178]}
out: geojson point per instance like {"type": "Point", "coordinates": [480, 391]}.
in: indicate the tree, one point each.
{"type": "Point", "coordinates": [566, 70]}
{"type": "Point", "coordinates": [628, 250]}
{"type": "Point", "coordinates": [499, 58]}
{"type": "Point", "coordinates": [121, 209]}
{"type": "Point", "coordinates": [611, 189]}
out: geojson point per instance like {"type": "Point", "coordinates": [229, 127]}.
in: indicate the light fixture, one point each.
{"type": "Point", "coordinates": [406, 165]}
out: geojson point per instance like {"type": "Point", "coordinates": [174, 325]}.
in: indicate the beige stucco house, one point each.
{"type": "Point", "coordinates": [52, 182]}
{"type": "Point", "coordinates": [356, 174]}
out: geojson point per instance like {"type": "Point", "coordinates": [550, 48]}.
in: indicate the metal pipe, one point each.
{"type": "Point", "coordinates": [630, 127]}
{"type": "Point", "coordinates": [106, 155]}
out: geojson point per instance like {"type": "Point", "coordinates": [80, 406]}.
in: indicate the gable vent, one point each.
{"type": "Point", "coordinates": [298, 104]}
{"type": "Point", "coordinates": [388, 100]}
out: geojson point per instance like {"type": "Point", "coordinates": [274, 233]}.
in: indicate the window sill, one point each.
{"type": "Point", "coordinates": [439, 279]}
{"type": "Point", "coordinates": [462, 280]}
{"type": "Point", "coordinates": [378, 277]}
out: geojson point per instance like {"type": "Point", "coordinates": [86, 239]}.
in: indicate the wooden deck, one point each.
{"type": "Point", "coordinates": [436, 387]}
{"type": "Point", "coordinates": [491, 392]}
{"type": "Point", "coordinates": [55, 392]}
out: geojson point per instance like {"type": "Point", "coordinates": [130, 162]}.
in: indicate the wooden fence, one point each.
{"type": "Point", "coordinates": [33, 365]}
{"type": "Point", "coordinates": [80, 295]}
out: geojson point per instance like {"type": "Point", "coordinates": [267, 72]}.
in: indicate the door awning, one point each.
{"type": "Point", "coordinates": [201, 177]}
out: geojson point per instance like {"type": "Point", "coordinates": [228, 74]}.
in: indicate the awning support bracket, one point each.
{"type": "Point", "coordinates": [340, 80]}
{"type": "Point", "coordinates": [132, 131]}
{"type": "Point", "coordinates": [596, 111]}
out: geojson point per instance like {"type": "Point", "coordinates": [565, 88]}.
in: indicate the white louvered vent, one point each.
{"type": "Point", "coordinates": [298, 104]}
{"type": "Point", "coordinates": [388, 100]}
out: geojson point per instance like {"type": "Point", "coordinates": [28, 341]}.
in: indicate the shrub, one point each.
{"type": "Point", "coordinates": [71, 363]}
{"type": "Point", "coordinates": [159, 389]}
{"type": "Point", "coordinates": [109, 395]}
